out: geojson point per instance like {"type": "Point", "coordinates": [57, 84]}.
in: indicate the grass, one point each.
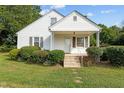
{"type": "Point", "coordinates": [20, 74]}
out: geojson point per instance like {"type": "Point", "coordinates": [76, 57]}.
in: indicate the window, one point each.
{"type": "Point", "coordinates": [80, 42]}
{"type": "Point", "coordinates": [53, 20]}
{"type": "Point", "coordinates": [74, 18]}
{"type": "Point", "coordinates": [36, 41]}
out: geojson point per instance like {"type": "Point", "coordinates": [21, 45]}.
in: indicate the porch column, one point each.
{"type": "Point", "coordinates": [88, 41]}
{"type": "Point", "coordinates": [52, 41]}
{"type": "Point", "coordinates": [97, 39]}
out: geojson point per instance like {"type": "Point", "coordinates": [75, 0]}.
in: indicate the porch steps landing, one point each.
{"type": "Point", "coordinates": [72, 60]}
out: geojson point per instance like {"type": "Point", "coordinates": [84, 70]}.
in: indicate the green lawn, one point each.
{"type": "Point", "coordinates": [20, 74]}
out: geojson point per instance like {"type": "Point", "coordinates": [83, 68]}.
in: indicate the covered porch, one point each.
{"type": "Point", "coordinates": [74, 42]}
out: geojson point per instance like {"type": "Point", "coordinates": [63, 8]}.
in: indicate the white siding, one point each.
{"type": "Point", "coordinates": [59, 43]}
{"type": "Point", "coordinates": [67, 24]}
{"type": "Point", "coordinates": [37, 28]}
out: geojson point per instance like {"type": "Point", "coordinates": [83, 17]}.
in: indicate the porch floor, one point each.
{"type": "Point", "coordinates": [76, 54]}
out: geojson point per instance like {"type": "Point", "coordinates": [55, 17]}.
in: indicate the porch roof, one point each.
{"type": "Point", "coordinates": [74, 32]}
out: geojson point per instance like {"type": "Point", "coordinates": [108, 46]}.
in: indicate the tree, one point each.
{"type": "Point", "coordinates": [93, 40]}
{"type": "Point", "coordinates": [120, 39]}
{"type": "Point", "coordinates": [13, 19]}
{"type": "Point", "coordinates": [108, 34]}
{"type": "Point", "coordinates": [122, 25]}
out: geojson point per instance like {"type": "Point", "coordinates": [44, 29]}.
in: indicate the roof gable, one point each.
{"type": "Point", "coordinates": [38, 20]}
{"type": "Point", "coordinates": [82, 24]}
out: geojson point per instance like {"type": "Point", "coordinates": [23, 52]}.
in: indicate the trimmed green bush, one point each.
{"type": "Point", "coordinates": [14, 54]}
{"type": "Point", "coordinates": [104, 57]}
{"type": "Point", "coordinates": [116, 55]}
{"type": "Point", "coordinates": [38, 56]}
{"type": "Point", "coordinates": [94, 53]}
{"type": "Point", "coordinates": [56, 56]}
{"type": "Point", "coordinates": [25, 52]}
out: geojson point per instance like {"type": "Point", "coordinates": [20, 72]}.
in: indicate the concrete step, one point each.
{"type": "Point", "coordinates": [72, 60]}
{"type": "Point", "coordinates": [72, 65]}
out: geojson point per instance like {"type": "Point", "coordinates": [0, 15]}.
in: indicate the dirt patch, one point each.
{"type": "Point", "coordinates": [77, 81]}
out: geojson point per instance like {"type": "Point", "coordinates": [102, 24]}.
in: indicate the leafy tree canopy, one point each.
{"type": "Point", "coordinates": [14, 18]}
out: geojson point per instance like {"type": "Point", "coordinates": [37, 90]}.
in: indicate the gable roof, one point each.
{"type": "Point", "coordinates": [41, 18]}
{"type": "Point", "coordinates": [79, 15]}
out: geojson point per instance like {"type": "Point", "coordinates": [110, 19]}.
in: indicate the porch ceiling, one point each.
{"type": "Point", "coordinates": [74, 33]}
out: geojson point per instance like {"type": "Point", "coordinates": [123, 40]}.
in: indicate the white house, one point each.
{"type": "Point", "coordinates": [70, 33]}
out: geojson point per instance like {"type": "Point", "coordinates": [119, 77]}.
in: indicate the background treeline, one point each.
{"type": "Point", "coordinates": [14, 18]}
{"type": "Point", "coordinates": [113, 35]}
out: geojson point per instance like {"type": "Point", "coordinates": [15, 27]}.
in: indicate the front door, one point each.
{"type": "Point", "coordinates": [67, 45]}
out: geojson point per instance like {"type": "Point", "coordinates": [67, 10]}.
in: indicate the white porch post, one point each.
{"type": "Point", "coordinates": [52, 41]}
{"type": "Point", "coordinates": [97, 39]}
{"type": "Point", "coordinates": [88, 41]}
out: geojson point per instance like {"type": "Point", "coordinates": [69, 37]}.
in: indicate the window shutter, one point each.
{"type": "Point", "coordinates": [86, 42]}
{"type": "Point", "coordinates": [41, 42]}
{"type": "Point", "coordinates": [74, 42]}
{"type": "Point", "coordinates": [30, 41]}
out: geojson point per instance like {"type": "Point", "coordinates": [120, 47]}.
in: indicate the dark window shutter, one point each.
{"type": "Point", "coordinates": [74, 42]}
{"type": "Point", "coordinates": [41, 42]}
{"type": "Point", "coordinates": [30, 41]}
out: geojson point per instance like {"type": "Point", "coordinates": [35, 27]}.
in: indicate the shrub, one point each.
{"type": "Point", "coordinates": [25, 52]}
{"type": "Point", "coordinates": [56, 56]}
{"type": "Point", "coordinates": [38, 56]}
{"type": "Point", "coordinates": [14, 54]}
{"type": "Point", "coordinates": [104, 57]}
{"type": "Point", "coordinates": [94, 53]}
{"type": "Point", "coordinates": [5, 48]}
{"type": "Point", "coordinates": [116, 55]}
